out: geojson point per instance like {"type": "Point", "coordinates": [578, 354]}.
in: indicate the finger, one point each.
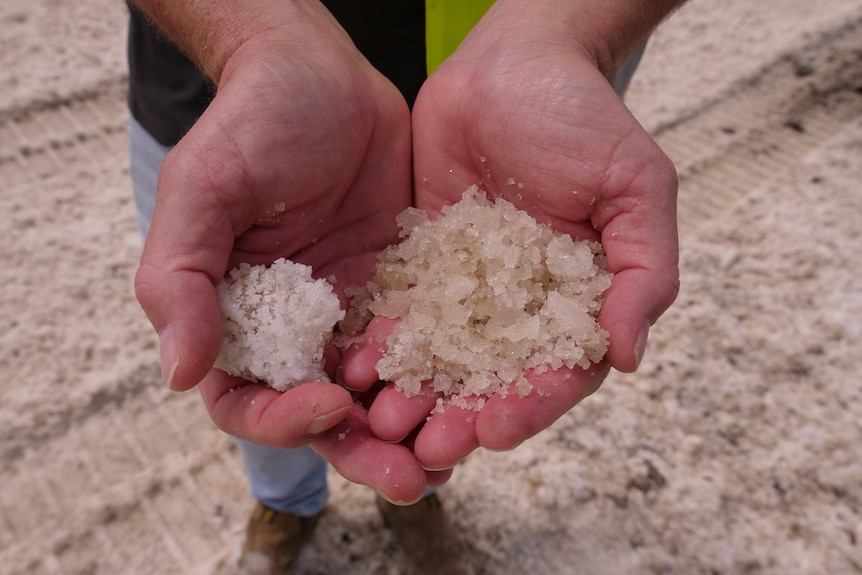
{"type": "Point", "coordinates": [643, 254]}
{"type": "Point", "coordinates": [635, 301]}
{"type": "Point", "coordinates": [184, 310]}
{"type": "Point", "coordinates": [505, 422]}
{"type": "Point", "coordinates": [185, 255]}
{"type": "Point", "coordinates": [447, 438]}
{"type": "Point", "coordinates": [388, 468]}
{"type": "Point", "coordinates": [392, 415]}
{"type": "Point", "coordinates": [359, 360]}
{"type": "Point", "coordinates": [262, 415]}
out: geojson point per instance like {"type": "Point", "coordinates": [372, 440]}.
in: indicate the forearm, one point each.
{"type": "Point", "coordinates": [210, 32]}
{"type": "Point", "coordinates": [609, 30]}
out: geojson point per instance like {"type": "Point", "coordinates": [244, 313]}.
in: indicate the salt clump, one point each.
{"type": "Point", "coordinates": [485, 293]}
{"type": "Point", "coordinates": [277, 321]}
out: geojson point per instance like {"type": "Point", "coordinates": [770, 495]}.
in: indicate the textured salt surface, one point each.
{"type": "Point", "coordinates": [484, 294]}
{"type": "Point", "coordinates": [277, 321]}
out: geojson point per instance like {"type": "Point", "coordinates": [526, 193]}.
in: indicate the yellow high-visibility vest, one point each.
{"type": "Point", "coordinates": [447, 22]}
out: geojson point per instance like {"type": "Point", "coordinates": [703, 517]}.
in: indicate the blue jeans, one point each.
{"type": "Point", "coordinates": [623, 77]}
{"type": "Point", "coordinates": [287, 480]}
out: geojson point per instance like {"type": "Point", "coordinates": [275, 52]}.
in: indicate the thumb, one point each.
{"type": "Point", "coordinates": [183, 308]}
{"type": "Point", "coordinates": [643, 253]}
{"type": "Point", "coordinates": [635, 300]}
{"type": "Point", "coordinates": [185, 255]}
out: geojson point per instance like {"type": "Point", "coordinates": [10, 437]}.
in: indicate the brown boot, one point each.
{"type": "Point", "coordinates": [273, 541]}
{"type": "Point", "coordinates": [428, 541]}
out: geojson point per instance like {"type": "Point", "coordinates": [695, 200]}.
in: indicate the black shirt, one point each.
{"type": "Point", "coordinates": [167, 93]}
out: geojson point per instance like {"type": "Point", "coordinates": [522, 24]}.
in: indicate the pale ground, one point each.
{"type": "Point", "coordinates": [737, 448]}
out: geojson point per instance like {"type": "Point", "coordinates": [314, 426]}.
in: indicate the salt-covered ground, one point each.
{"type": "Point", "coordinates": [737, 448]}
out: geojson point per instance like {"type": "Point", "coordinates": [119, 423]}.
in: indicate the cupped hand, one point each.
{"type": "Point", "coordinates": [522, 110]}
{"type": "Point", "coordinates": [304, 153]}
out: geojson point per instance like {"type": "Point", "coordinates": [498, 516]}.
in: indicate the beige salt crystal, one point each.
{"type": "Point", "coordinates": [485, 293]}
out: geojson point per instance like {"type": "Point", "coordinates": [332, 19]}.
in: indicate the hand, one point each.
{"type": "Point", "coordinates": [304, 153]}
{"type": "Point", "coordinates": [522, 109]}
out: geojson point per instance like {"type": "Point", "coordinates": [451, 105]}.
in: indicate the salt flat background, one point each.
{"type": "Point", "coordinates": [737, 448]}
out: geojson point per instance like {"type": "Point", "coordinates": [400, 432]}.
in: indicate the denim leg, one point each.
{"type": "Point", "coordinates": [623, 77]}
{"type": "Point", "coordinates": [145, 159]}
{"type": "Point", "coordinates": [287, 480]}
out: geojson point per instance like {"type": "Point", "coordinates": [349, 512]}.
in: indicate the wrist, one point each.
{"type": "Point", "coordinates": [211, 32]}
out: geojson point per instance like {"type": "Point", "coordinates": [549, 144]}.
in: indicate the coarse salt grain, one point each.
{"type": "Point", "coordinates": [484, 294]}
{"type": "Point", "coordinates": [277, 321]}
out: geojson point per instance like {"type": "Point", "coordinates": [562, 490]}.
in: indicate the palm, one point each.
{"type": "Point", "coordinates": [539, 126]}
{"type": "Point", "coordinates": [288, 161]}
{"type": "Point", "coordinates": [317, 176]}
{"type": "Point", "coordinates": [308, 160]}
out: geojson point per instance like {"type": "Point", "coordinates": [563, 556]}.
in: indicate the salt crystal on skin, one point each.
{"type": "Point", "coordinates": [277, 321]}
{"type": "Point", "coordinates": [485, 293]}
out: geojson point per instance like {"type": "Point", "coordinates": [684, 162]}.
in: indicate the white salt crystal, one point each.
{"type": "Point", "coordinates": [277, 321]}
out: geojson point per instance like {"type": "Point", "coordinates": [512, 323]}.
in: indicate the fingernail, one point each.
{"type": "Point", "coordinates": [503, 449]}
{"type": "Point", "coordinates": [398, 502]}
{"type": "Point", "coordinates": [326, 421]}
{"type": "Point", "coordinates": [447, 468]}
{"type": "Point", "coordinates": [640, 343]}
{"type": "Point", "coordinates": [168, 354]}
